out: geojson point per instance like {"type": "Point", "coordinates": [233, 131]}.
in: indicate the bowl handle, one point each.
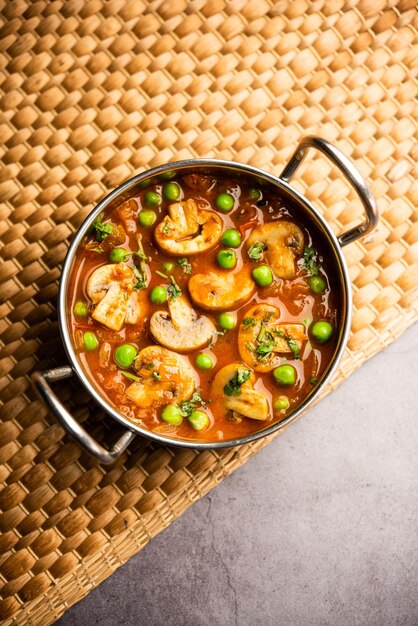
{"type": "Point", "coordinates": [352, 175]}
{"type": "Point", "coordinates": [40, 382]}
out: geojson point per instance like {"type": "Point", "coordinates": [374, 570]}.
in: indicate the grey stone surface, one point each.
{"type": "Point", "coordinates": [318, 528]}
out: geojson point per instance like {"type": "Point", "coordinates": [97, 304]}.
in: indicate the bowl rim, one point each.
{"type": "Point", "coordinates": [302, 202]}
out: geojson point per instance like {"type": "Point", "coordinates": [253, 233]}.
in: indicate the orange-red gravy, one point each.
{"type": "Point", "coordinates": [293, 297]}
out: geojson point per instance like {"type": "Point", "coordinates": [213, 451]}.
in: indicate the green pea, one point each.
{"type": "Point", "coordinates": [172, 191]}
{"type": "Point", "coordinates": [204, 361]}
{"type": "Point", "coordinates": [167, 175]}
{"type": "Point", "coordinates": [168, 266]}
{"type": "Point", "coordinates": [321, 331]}
{"type": "Point", "coordinates": [285, 375]}
{"type": "Point", "coordinates": [262, 275]}
{"type": "Point", "coordinates": [225, 202]}
{"type": "Point", "coordinates": [231, 238]}
{"type": "Point", "coordinates": [198, 420]}
{"type": "Point", "coordinates": [152, 197]}
{"type": "Point", "coordinates": [227, 259]}
{"type": "Point", "coordinates": [158, 295]}
{"type": "Point", "coordinates": [172, 414]}
{"type": "Point", "coordinates": [125, 355]}
{"type": "Point", "coordinates": [118, 255]}
{"type": "Point", "coordinates": [81, 309]}
{"type": "Point", "coordinates": [147, 217]}
{"type": "Point", "coordinates": [281, 404]}
{"type": "Point", "coordinates": [317, 284]}
{"type": "Point", "coordinates": [227, 321]}
{"type": "Point", "coordinates": [90, 341]}
{"type": "Point", "coordinates": [254, 194]}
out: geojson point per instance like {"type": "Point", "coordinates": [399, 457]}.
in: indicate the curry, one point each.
{"type": "Point", "coordinates": [203, 307]}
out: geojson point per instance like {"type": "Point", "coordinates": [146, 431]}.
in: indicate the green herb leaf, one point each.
{"type": "Point", "coordinates": [290, 342]}
{"type": "Point", "coordinates": [233, 388]}
{"type": "Point", "coordinates": [248, 322]}
{"type": "Point", "coordinates": [130, 376]}
{"type": "Point", "coordinates": [294, 347]}
{"type": "Point", "coordinates": [140, 255]}
{"type": "Point", "coordinates": [140, 280]}
{"type": "Point", "coordinates": [264, 350]}
{"type": "Point", "coordinates": [313, 381]}
{"type": "Point", "coordinates": [100, 229]}
{"type": "Point", "coordinates": [188, 406]}
{"type": "Point", "coordinates": [261, 332]}
{"type": "Point", "coordinates": [149, 366]}
{"type": "Point", "coordinates": [174, 290]}
{"type": "Point", "coordinates": [255, 252]}
{"type": "Point", "coordinates": [266, 343]}
{"type": "Point", "coordinates": [310, 257]}
{"type": "Point", "coordinates": [185, 265]}
{"type": "Point", "coordinates": [140, 270]}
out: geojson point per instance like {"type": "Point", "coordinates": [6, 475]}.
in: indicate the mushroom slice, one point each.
{"type": "Point", "coordinates": [164, 377]}
{"type": "Point", "coordinates": [111, 289]}
{"type": "Point", "coordinates": [188, 230]}
{"type": "Point", "coordinates": [282, 242]}
{"type": "Point", "coordinates": [217, 291]}
{"type": "Point", "coordinates": [181, 329]}
{"type": "Point", "coordinates": [261, 338]}
{"type": "Point", "coordinates": [247, 401]}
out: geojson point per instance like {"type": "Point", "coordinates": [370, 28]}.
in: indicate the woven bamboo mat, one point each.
{"type": "Point", "coordinates": [95, 91]}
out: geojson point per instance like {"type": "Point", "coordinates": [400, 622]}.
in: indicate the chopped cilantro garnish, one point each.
{"type": "Point", "coordinates": [173, 290]}
{"type": "Point", "coordinates": [149, 366]}
{"type": "Point", "coordinates": [233, 388]}
{"type": "Point", "coordinates": [130, 376]}
{"type": "Point", "coordinates": [140, 270]}
{"type": "Point", "coordinates": [290, 342]}
{"type": "Point", "coordinates": [261, 332]}
{"type": "Point", "coordinates": [255, 252]}
{"type": "Point", "coordinates": [264, 350]}
{"type": "Point", "coordinates": [188, 406]}
{"type": "Point", "coordinates": [313, 381]}
{"type": "Point", "coordinates": [248, 322]}
{"type": "Point", "coordinates": [101, 230]}
{"type": "Point", "coordinates": [185, 265]}
{"type": "Point", "coordinates": [140, 255]}
{"type": "Point", "coordinates": [266, 344]}
{"type": "Point", "coordinates": [294, 347]}
{"type": "Point", "coordinates": [140, 280]}
{"type": "Point", "coordinates": [310, 256]}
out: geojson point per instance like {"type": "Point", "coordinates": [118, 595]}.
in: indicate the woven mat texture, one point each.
{"type": "Point", "coordinates": [94, 91]}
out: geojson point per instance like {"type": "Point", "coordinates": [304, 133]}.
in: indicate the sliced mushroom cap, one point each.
{"type": "Point", "coordinates": [262, 328]}
{"type": "Point", "coordinates": [164, 377]}
{"type": "Point", "coordinates": [249, 403]}
{"type": "Point", "coordinates": [216, 291]}
{"type": "Point", "coordinates": [188, 230]}
{"type": "Point", "coordinates": [110, 288]}
{"type": "Point", "coordinates": [181, 329]}
{"type": "Point", "coordinates": [283, 243]}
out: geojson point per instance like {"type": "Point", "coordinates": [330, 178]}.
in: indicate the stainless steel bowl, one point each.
{"type": "Point", "coordinates": [41, 379]}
